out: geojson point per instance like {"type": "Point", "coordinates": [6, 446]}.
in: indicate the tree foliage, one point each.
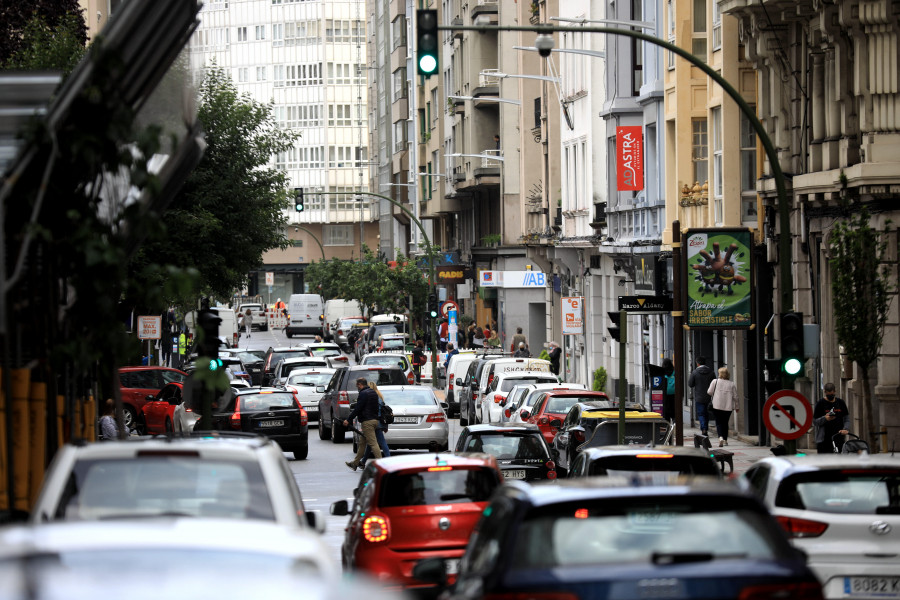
{"type": "Point", "coordinates": [861, 286]}
{"type": "Point", "coordinates": [49, 46]}
{"type": "Point", "coordinates": [231, 209]}
{"type": "Point", "coordinates": [17, 16]}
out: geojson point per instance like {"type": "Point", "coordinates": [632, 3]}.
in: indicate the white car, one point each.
{"type": "Point", "coordinates": [521, 397]}
{"type": "Point", "coordinates": [305, 384]}
{"type": "Point", "coordinates": [391, 359]}
{"type": "Point", "coordinates": [286, 366]}
{"type": "Point", "coordinates": [220, 475]}
{"type": "Point", "coordinates": [843, 511]}
{"type": "Point", "coordinates": [420, 420]}
{"type": "Point", "coordinates": [456, 369]}
{"type": "Point", "coordinates": [494, 404]}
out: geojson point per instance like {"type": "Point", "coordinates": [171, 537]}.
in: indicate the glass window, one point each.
{"type": "Point", "coordinates": [410, 397]}
{"type": "Point", "coordinates": [508, 446]}
{"type": "Point", "coordinates": [437, 487]}
{"type": "Point", "coordinates": [718, 176]}
{"type": "Point", "coordinates": [700, 150]}
{"type": "Point", "coordinates": [309, 378]}
{"type": "Point", "coordinates": [873, 491]}
{"type": "Point", "coordinates": [748, 170]}
{"type": "Point", "coordinates": [338, 235]}
{"type": "Point", "coordinates": [509, 384]}
{"type": "Point", "coordinates": [717, 26]}
{"type": "Point", "coordinates": [253, 402]}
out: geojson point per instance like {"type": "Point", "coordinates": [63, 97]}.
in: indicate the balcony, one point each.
{"type": "Point", "coordinates": [457, 22]}
{"type": "Point", "coordinates": [485, 12]}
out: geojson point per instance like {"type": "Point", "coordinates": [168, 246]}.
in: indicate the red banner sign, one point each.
{"type": "Point", "coordinates": [629, 158]}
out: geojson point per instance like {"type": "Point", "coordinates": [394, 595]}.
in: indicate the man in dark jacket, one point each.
{"type": "Point", "coordinates": [555, 353]}
{"type": "Point", "coordinates": [367, 410]}
{"type": "Point", "coordinates": [699, 381]}
{"type": "Point", "coordinates": [831, 417]}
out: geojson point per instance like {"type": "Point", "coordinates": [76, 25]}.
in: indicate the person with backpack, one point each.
{"type": "Point", "coordinates": [380, 430]}
{"type": "Point", "coordinates": [699, 381]}
{"type": "Point", "coordinates": [669, 396]}
{"type": "Point", "coordinates": [368, 409]}
{"type": "Point", "coordinates": [418, 359]}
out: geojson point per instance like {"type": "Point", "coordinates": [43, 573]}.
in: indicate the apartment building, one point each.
{"type": "Point", "coordinates": [97, 13]}
{"type": "Point", "coordinates": [308, 59]}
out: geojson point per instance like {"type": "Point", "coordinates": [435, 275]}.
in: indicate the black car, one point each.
{"type": "Point", "coordinates": [578, 427]}
{"type": "Point", "coordinates": [273, 355]}
{"type": "Point", "coordinates": [274, 413]}
{"type": "Point", "coordinates": [636, 461]}
{"type": "Point", "coordinates": [334, 406]}
{"type": "Point", "coordinates": [610, 539]}
{"type": "Point", "coordinates": [520, 449]}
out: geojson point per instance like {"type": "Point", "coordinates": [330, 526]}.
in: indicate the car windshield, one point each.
{"type": "Point", "coordinates": [290, 368]}
{"type": "Point", "coordinates": [508, 445]}
{"type": "Point", "coordinates": [868, 491]}
{"type": "Point", "coordinates": [309, 378]}
{"type": "Point", "coordinates": [387, 361]}
{"type": "Point", "coordinates": [166, 484]}
{"type": "Point", "coordinates": [437, 487]}
{"type": "Point", "coordinates": [508, 383]}
{"type": "Point", "coordinates": [595, 533]}
{"type": "Point", "coordinates": [266, 401]}
{"type": "Point", "coordinates": [325, 351]}
{"type": "Point", "coordinates": [393, 344]}
{"type": "Point", "coordinates": [250, 358]}
{"type": "Point", "coordinates": [346, 323]}
{"type": "Point", "coordinates": [276, 356]}
{"type": "Point", "coordinates": [661, 465]}
{"type": "Point", "coordinates": [561, 404]}
{"type": "Point", "coordinates": [409, 397]}
{"type": "Point", "coordinates": [172, 376]}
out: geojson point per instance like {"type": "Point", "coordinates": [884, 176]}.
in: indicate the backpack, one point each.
{"type": "Point", "coordinates": [387, 414]}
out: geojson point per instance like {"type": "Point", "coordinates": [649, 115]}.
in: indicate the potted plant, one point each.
{"type": "Point", "coordinates": [491, 239]}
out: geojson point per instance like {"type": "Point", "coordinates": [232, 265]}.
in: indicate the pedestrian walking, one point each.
{"type": "Point", "coordinates": [477, 337]}
{"type": "Point", "coordinates": [555, 354]}
{"type": "Point", "coordinates": [518, 340]}
{"type": "Point", "coordinates": [107, 426]}
{"type": "Point", "coordinates": [724, 400]}
{"type": "Point", "coordinates": [248, 321]}
{"type": "Point", "coordinates": [699, 381]}
{"type": "Point", "coordinates": [831, 417]}
{"type": "Point", "coordinates": [379, 430]}
{"type": "Point", "coordinates": [451, 351]}
{"type": "Point", "coordinates": [669, 395]}
{"type": "Point", "coordinates": [493, 340]}
{"type": "Point", "coordinates": [522, 351]}
{"type": "Point", "coordinates": [444, 334]}
{"type": "Point", "coordinates": [418, 359]}
{"type": "Point", "coordinates": [368, 411]}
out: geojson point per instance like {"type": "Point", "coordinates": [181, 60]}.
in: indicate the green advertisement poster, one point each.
{"type": "Point", "coordinates": [718, 278]}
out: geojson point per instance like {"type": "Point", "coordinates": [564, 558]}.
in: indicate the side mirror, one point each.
{"type": "Point", "coordinates": [524, 414]}
{"type": "Point", "coordinates": [459, 381]}
{"type": "Point", "coordinates": [341, 508]}
{"type": "Point", "coordinates": [445, 406]}
{"type": "Point", "coordinates": [150, 398]}
{"type": "Point", "coordinates": [431, 570]}
{"type": "Point", "coordinates": [555, 423]}
{"type": "Point", "coordinates": [315, 520]}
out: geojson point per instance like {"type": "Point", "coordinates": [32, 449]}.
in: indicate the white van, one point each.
{"type": "Point", "coordinates": [306, 314]}
{"type": "Point", "coordinates": [508, 365]}
{"type": "Point", "coordinates": [336, 309]}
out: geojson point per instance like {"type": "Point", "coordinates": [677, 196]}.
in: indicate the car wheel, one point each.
{"type": "Point", "coordinates": [463, 421]}
{"type": "Point", "coordinates": [263, 327]}
{"type": "Point", "coordinates": [288, 334]}
{"type": "Point", "coordinates": [324, 434]}
{"type": "Point", "coordinates": [302, 453]}
{"type": "Point", "coordinates": [337, 433]}
{"type": "Point", "coordinates": [169, 428]}
{"type": "Point", "coordinates": [130, 418]}
{"type": "Point", "coordinates": [140, 425]}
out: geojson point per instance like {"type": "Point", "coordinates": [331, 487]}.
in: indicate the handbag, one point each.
{"type": "Point", "coordinates": [387, 414]}
{"type": "Point", "coordinates": [712, 388]}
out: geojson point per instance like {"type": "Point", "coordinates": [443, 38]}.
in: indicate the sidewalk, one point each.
{"type": "Point", "coordinates": [745, 450]}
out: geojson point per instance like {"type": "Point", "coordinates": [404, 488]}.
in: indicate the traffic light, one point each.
{"type": "Point", "coordinates": [215, 364]}
{"type": "Point", "coordinates": [792, 349]}
{"type": "Point", "coordinates": [208, 334]}
{"type": "Point", "coordinates": [614, 331]}
{"type": "Point", "coordinates": [427, 42]}
{"type": "Point", "coordinates": [433, 306]}
{"type": "Point", "coordinates": [298, 199]}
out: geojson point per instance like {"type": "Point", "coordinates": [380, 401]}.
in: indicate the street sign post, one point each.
{"type": "Point", "coordinates": [149, 328]}
{"type": "Point", "coordinates": [645, 304]}
{"type": "Point", "coordinates": [787, 414]}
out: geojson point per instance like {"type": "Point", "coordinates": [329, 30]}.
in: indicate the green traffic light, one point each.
{"type": "Point", "coordinates": [792, 366]}
{"type": "Point", "coordinates": [433, 314]}
{"type": "Point", "coordinates": [427, 64]}
{"type": "Point", "coordinates": [214, 364]}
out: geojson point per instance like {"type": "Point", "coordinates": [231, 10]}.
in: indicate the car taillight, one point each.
{"type": "Point", "coordinates": [236, 418]}
{"type": "Point", "coordinates": [340, 332]}
{"type": "Point", "coordinates": [296, 399]}
{"type": "Point", "coordinates": [508, 413]}
{"type": "Point", "coordinates": [490, 379]}
{"type": "Point", "coordinates": [807, 590]}
{"type": "Point", "coordinates": [411, 379]}
{"type": "Point", "coordinates": [499, 398]}
{"type": "Point", "coordinates": [579, 436]}
{"type": "Point", "coordinates": [343, 398]}
{"type": "Point", "coordinates": [234, 339]}
{"type": "Point", "coordinates": [802, 528]}
{"type": "Point", "coordinates": [551, 474]}
{"type": "Point", "coordinates": [451, 383]}
{"type": "Point", "coordinates": [375, 529]}
{"type": "Point", "coordinates": [550, 465]}
{"type": "Point", "coordinates": [304, 418]}
{"type": "Point", "coordinates": [436, 418]}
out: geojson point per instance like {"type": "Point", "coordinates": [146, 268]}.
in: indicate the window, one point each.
{"type": "Point", "coordinates": [278, 34]}
{"type": "Point", "coordinates": [243, 74]}
{"type": "Point", "coordinates": [670, 11]}
{"type": "Point", "coordinates": [748, 170]}
{"type": "Point", "coordinates": [260, 32]}
{"type": "Point", "coordinates": [260, 73]}
{"type": "Point", "coordinates": [302, 75]}
{"type": "Point", "coordinates": [698, 39]}
{"type": "Point", "coordinates": [717, 27]}
{"type": "Point", "coordinates": [400, 84]}
{"type": "Point", "coordinates": [337, 30]}
{"type": "Point", "coordinates": [398, 32]}
{"type": "Point", "coordinates": [278, 75]}
{"type": "Point", "coordinates": [242, 34]}
{"type": "Point", "coordinates": [700, 150]}
{"type": "Point", "coordinates": [338, 235]}
{"type": "Point", "coordinates": [341, 156]}
{"type": "Point", "coordinates": [637, 52]}
{"type": "Point", "coordinates": [537, 113]}
{"type": "Point", "coordinates": [400, 136]}
{"type": "Point", "coordinates": [339, 115]}
{"type": "Point", "coordinates": [717, 187]}
{"type": "Point", "coordinates": [340, 74]}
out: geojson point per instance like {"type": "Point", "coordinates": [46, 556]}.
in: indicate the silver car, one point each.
{"type": "Point", "coordinates": [303, 383]}
{"type": "Point", "coordinates": [420, 420]}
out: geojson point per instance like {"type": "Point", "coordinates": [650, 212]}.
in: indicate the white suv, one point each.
{"type": "Point", "coordinates": [226, 475]}
{"type": "Point", "coordinates": [494, 403]}
{"type": "Point", "coordinates": [391, 359]}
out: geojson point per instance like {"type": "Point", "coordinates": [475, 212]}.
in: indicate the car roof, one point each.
{"type": "Point", "coordinates": [372, 368]}
{"type": "Point", "coordinates": [504, 427]}
{"type": "Point", "coordinates": [204, 442]}
{"type": "Point", "coordinates": [576, 392]}
{"type": "Point", "coordinates": [299, 360]}
{"type": "Point", "coordinates": [322, 345]}
{"type": "Point", "coordinates": [259, 390]}
{"type": "Point", "coordinates": [400, 388]}
{"type": "Point", "coordinates": [632, 450]}
{"type": "Point", "coordinates": [402, 462]}
{"type": "Point", "coordinates": [813, 462]}
{"type": "Point", "coordinates": [149, 368]}
{"type": "Point", "coordinates": [382, 353]}
{"type": "Point", "coordinates": [315, 370]}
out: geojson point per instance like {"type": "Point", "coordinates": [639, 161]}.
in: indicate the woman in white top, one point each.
{"type": "Point", "coordinates": [724, 400]}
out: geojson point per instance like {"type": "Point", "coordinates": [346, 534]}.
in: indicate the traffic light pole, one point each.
{"type": "Point", "coordinates": [623, 384]}
{"type": "Point", "coordinates": [313, 236]}
{"type": "Point", "coordinates": [432, 286]}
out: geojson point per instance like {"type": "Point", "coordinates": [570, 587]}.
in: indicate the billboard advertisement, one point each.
{"type": "Point", "coordinates": [718, 278]}
{"type": "Point", "coordinates": [629, 158]}
{"type": "Point", "coordinates": [573, 315]}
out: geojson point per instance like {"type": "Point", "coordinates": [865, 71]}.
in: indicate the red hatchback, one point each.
{"type": "Point", "coordinates": [139, 382]}
{"type": "Point", "coordinates": [412, 507]}
{"type": "Point", "coordinates": [158, 413]}
{"type": "Point", "coordinates": [555, 404]}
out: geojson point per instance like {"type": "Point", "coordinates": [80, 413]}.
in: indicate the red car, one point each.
{"type": "Point", "coordinates": [555, 404]}
{"type": "Point", "coordinates": [158, 413]}
{"type": "Point", "coordinates": [136, 383]}
{"type": "Point", "coordinates": [415, 506]}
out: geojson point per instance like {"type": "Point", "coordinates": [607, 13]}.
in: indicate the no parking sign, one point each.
{"type": "Point", "coordinates": [787, 414]}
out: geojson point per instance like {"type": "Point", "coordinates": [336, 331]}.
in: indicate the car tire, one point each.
{"type": "Point", "coordinates": [263, 327]}
{"type": "Point", "coordinates": [463, 421]}
{"type": "Point", "coordinates": [324, 434]}
{"type": "Point", "coordinates": [302, 453]}
{"type": "Point", "coordinates": [288, 334]}
{"type": "Point", "coordinates": [338, 433]}
{"type": "Point", "coordinates": [130, 417]}
{"type": "Point", "coordinates": [169, 427]}
{"type": "Point", "coordinates": [140, 426]}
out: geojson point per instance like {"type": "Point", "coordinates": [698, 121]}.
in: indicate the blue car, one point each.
{"type": "Point", "coordinates": [607, 539]}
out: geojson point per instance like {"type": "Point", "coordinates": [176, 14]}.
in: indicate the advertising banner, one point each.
{"type": "Point", "coordinates": [629, 158]}
{"type": "Point", "coordinates": [149, 328]}
{"type": "Point", "coordinates": [512, 279]}
{"type": "Point", "coordinates": [718, 275]}
{"type": "Point", "coordinates": [573, 315]}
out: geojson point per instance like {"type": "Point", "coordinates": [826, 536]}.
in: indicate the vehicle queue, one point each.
{"type": "Point", "coordinates": [487, 512]}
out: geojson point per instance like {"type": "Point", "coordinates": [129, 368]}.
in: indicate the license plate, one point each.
{"type": "Point", "coordinates": [406, 419]}
{"type": "Point", "coordinates": [872, 587]}
{"type": "Point", "coordinates": [271, 423]}
{"type": "Point", "coordinates": [452, 566]}
{"type": "Point", "coordinates": [514, 474]}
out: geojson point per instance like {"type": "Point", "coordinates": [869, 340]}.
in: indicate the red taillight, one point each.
{"type": "Point", "coordinates": [343, 398]}
{"type": "Point", "coordinates": [436, 418]}
{"type": "Point", "coordinates": [411, 379]}
{"type": "Point", "coordinates": [507, 412]}
{"type": "Point", "coordinates": [654, 456]}
{"type": "Point", "coordinates": [499, 398]}
{"type": "Point", "coordinates": [551, 474]}
{"type": "Point", "coordinates": [579, 436]}
{"type": "Point", "coordinates": [296, 399]}
{"type": "Point", "coordinates": [795, 591]}
{"type": "Point", "coordinates": [304, 418]}
{"type": "Point", "coordinates": [490, 379]}
{"type": "Point", "coordinates": [550, 465]}
{"type": "Point", "coordinates": [375, 529]}
{"type": "Point", "coordinates": [234, 339]}
{"type": "Point", "coordinates": [236, 417]}
{"type": "Point", "coordinates": [451, 383]}
{"type": "Point", "coordinates": [340, 332]}
{"type": "Point", "coordinates": [802, 528]}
